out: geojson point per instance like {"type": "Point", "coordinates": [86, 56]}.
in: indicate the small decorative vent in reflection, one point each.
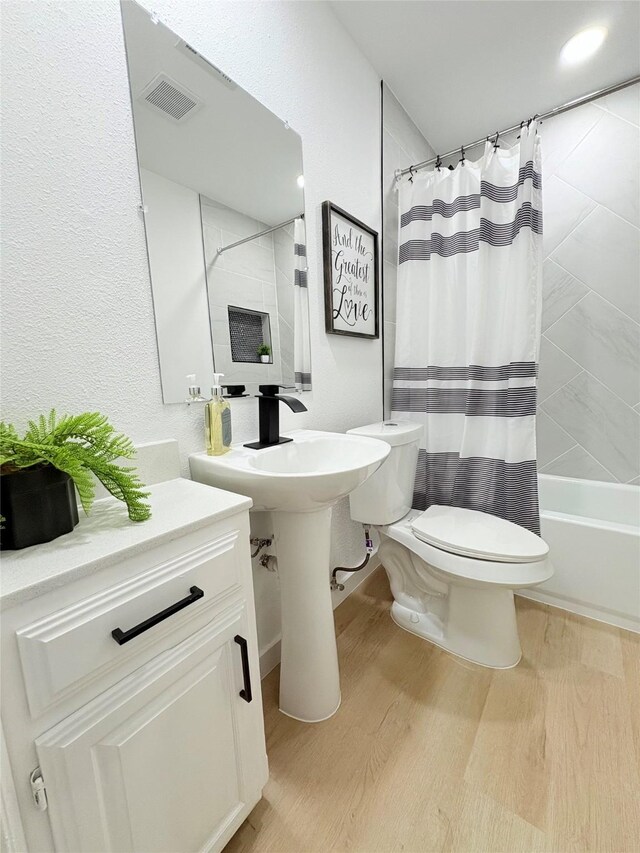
{"type": "Point", "coordinates": [170, 98]}
{"type": "Point", "coordinates": [247, 330]}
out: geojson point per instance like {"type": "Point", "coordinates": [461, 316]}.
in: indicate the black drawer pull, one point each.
{"type": "Point", "coordinates": [246, 674]}
{"type": "Point", "coordinates": [122, 637]}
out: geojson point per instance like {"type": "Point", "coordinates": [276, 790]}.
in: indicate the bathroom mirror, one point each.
{"type": "Point", "coordinates": [223, 204]}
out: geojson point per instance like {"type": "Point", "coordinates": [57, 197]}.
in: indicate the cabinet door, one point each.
{"type": "Point", "coordinates": [171, 758]}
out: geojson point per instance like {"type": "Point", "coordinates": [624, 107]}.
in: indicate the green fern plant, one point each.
{"type": "Point", "coordinates": [79, 445]}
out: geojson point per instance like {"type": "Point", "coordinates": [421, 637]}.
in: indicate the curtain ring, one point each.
{"type": "Point", "coordinates": [438, 162]}
{"type": "Point", "coordinates": [410, 174]}
{"type": "Point", "coordinates": [495, 144]}
{"type": "Point", "coordinates": [462, 158]}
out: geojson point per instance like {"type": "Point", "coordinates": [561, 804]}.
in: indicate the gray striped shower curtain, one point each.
{"type": "Point", "coordinates": [468, 329]}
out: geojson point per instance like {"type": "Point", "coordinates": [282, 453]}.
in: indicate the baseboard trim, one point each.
{"type": "Point", "coordinates": [598, 614]}
{"type": "Point", "coordinates": [270, 657]}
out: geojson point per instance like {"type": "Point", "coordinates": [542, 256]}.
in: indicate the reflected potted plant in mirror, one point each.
{"type": "Point", "coordinates": [264, 351]}
{"type": "Point", "coordinates": [41, 471]}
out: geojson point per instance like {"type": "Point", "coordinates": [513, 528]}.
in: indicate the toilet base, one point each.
{"type": "Point", "coordinates": [478, 625]}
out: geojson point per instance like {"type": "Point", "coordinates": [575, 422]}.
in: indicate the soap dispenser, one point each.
{"type": "Point", "coordinates": [217, 420]}
{"type": "Point", "coordinates": [194, 390]}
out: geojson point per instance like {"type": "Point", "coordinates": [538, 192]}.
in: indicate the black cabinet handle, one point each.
{"type": "Point", "coordinates": [246, 674]}
{"type": "Point", "coordinates": [122, 637]}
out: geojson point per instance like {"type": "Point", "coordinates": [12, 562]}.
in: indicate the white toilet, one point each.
{"type": "Point", "coordinates": [452, 571]}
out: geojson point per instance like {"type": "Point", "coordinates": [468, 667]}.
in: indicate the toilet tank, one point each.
{"type": "Point", "coordinates": [387, 495]}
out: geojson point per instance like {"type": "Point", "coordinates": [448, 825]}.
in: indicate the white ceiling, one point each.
{"type": "Point", "coordinates": [463, 70]}
{"type": "Point", "coordinates": [233, 149]}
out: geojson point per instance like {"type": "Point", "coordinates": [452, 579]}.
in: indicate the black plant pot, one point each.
{"type": "Point", "coordinates": [38, 505]}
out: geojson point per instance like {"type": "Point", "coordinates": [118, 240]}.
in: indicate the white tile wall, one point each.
{"type": "Point", "coordinates": [284, 269]}
{"type": "Point", "coordinates": [247, 277]}
{"type": "Point", "coordinates": [590, 353]}
{"type": "Point", "coordinates": [402, 145]}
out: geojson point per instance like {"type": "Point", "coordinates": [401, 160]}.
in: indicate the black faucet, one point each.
{"type": "Point", "coordinates": [269, 415]}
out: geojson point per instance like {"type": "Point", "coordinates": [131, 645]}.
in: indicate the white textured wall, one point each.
{"type": "Point", "coordinates": [78, 328]}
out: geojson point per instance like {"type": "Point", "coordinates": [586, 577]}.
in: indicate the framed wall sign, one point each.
{"type": "Point", "coordinates": [350, 255]}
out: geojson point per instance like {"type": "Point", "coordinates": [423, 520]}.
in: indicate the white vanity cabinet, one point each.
{"type": "Point", "coordinates": [152, 739]}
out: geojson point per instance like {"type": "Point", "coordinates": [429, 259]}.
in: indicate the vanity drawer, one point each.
{"type": "Point", "coordinates": [64, 649]}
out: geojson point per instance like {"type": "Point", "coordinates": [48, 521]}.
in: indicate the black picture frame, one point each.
{"type": "Point", "coordinates": [347, 312]}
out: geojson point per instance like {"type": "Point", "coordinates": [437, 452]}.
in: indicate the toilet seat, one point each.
{"type": "Point", "coordinates": [466, 569]}
{"type": "Point", "coordinates": [479, 535]}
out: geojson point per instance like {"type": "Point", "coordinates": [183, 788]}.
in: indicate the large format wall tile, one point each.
{"type": "Point", "coordinates": [591, 274]}
{"type": "Point", "coordinates": [580, 464]}
{"type": "Point", "coordinates": [389, 361]}
{"type": "Point", "coordinates": [284, 290]}
{"type": "Point", "coordinates": [249, 259]}
{"type": "Point", "coordinates": [390, 250]}
{"type": "Point", "coordinates": [556, 369]}
{"type": "Point", "coordinates": [604, 167]}
{"type": "Point", "coordinates": [560, 291]}
{"type": "Point", "coordinates": [624, 104]}
{"type": "Point", "coordinates": [604, 341]}
{"type": "Point", "coordinates": [390, 291]}
{"type": "Point", "coordinates": [561, 135]}
{"type": "Point", "coordinates": [604, 253]}
{"type": "Point", "coordinates": [605, 426]}
{"type": "Point", "coordinates": [564, 209]}
{"type": "Point", "coordinates": [394, 154]}
{"type": "Point", "coordinates": [402, 145]}
{"type": "Point", "coordinates": [219, 215]}
{"type": "Point", "coordinates": [229, 288]}
{"type": "Point", "coordinates": [400, 126]}
{"type": "Point", "coordinates": [552, 440]}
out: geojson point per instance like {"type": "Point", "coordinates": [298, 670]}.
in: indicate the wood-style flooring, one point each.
{"type": "Point", "coordinates": [430, 753]}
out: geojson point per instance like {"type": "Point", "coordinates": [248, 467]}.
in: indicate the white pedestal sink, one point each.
{"type": "Point", "coordinates": [298, 483]}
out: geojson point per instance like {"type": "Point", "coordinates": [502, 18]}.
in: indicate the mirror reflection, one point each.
{"type": "Point", "coordinates": [223, 200]}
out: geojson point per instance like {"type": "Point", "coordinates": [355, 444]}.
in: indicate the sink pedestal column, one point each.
{"type": "Point", "coordinates": [309, 674]}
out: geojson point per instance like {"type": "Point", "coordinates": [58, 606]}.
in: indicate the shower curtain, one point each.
{"type": "Point", "coordinates": [301, 342]}
{"type": "Point", "coordinates": [468, 329]}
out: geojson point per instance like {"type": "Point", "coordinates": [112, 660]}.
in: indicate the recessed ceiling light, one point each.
{"type": "Point", "coordinates": [583, 45]}
{"type": "Point", "coordinates": [300, 181]}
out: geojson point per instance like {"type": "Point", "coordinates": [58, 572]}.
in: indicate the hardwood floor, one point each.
{"type": "Point", "coordinates": [429, 753]}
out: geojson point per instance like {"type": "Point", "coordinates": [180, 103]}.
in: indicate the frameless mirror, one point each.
{"type": "Point", "coordinates": [223, 204]}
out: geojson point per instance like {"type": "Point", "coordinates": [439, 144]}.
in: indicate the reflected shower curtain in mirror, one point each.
{"type": "Point", "coordinates": [302, 342]}
{"type": "Point", "coordinates": [468, 329]}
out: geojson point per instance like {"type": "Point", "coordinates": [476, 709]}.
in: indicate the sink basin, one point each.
{"type": "Point", "coordinates": [313, 471]}
{"type": "Point", "coordinates": [298, 483]}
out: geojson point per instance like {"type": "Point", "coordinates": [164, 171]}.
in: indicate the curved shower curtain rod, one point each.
{"type": "Point", "coordinates": [556, 111]}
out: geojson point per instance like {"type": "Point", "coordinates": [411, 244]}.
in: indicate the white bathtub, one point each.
{"type": "Point", "coordinates": [593, 532]}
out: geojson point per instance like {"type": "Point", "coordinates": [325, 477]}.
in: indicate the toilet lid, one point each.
{"type": "Point", "coordinates": [478, 534]}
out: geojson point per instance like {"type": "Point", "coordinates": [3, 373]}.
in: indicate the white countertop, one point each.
{"type": "Point", "coordinates": [107, 537]}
